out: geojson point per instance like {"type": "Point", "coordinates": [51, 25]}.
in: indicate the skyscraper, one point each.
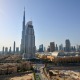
{"type": "Point", "coordinates": [14, 47]}
{"type": "Point", "coordinates": [10, 49]}
{"type": "Point", "coordinates": [6, 50]}
{"type": "Point", "coordinates": [52, 46]}
{"type": "Point", "coordinates": [61, 47]}
{"type": "Point", "coordinates": [28, 40]}
{"type": "Point", "coordinates": [56, 48]}
{"type": "Point", "coordinates": [17, 49]}
{"type": "Point", "coordinates": [41, 48]}
{"type": "Point", "coordinates": [23, 35]}
{"type": "Point", "coordinates": [48, 49]}
{"type": "Point", "coordinates": [68, 45]}
{"type": "Point", "coordinates": [3, 50]}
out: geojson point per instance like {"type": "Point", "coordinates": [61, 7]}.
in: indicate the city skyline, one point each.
{"type": "Point", "coordinates": [54, 21]}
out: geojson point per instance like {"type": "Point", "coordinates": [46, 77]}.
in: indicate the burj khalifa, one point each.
{"type": "Point", "coordinates": [28, 40]}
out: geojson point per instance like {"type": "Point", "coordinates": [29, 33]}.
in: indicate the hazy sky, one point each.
{"type": "Point", "coordinates": [53, 20]}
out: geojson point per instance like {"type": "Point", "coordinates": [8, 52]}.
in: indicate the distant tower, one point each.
{"type": "Point", "coordinates": [44, 49]}
{"type": "Point", "coordinates": [56, 47]}
{"type": "Point", "coordinates": [6, 50]}
{"type": "Point", "coordinates": [48, 49]}
{"type": "Point", "coordinates": [68, 45]}
{"type": "Point", "coordinates": [79, 48]}
{"type": "Point", "coordinates": [17, 49]}
{"type": "Point", "coordinates": [61, 47]}
{"type": "Point", "coordinates": [14, 47]}
{"type": "Point", "coordinates": [52, 46]}
{"type": "Point", "coordinates": [74, 49]}
{"type": "Point", "coordinates": [3, 50]}
{"type": "Point", "coordinates": [10, 50]}
{"type": "Point", "coordinates": [41, 48]}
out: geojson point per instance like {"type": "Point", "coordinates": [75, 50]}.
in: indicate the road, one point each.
{"type": "Point", "coordinates": [39, 71]}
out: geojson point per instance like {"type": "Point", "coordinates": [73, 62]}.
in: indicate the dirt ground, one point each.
{"type": "Point", "coordinates": [24, 77]}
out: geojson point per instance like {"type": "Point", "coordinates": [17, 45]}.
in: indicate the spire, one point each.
{"type": "Point", "coordinates": [24, 19]}
{"type": "Point", "coordinates": [24, 15]}
{"type": "Point", "coordinates": [24, 8]}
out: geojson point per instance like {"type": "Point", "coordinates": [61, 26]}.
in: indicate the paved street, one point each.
{"type": "Point", "coordinates": [40, 71]}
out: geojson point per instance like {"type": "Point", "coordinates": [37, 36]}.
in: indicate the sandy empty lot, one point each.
{"type": "Point", "coordinates": [24, 77]}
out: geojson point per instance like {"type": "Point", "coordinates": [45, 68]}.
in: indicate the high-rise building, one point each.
{"type": "Point", "coordinates": [78, 48]}
{"type": "Point", "coordinates": [64, 48]}
{"type": "Point", "coordinates": [68, 45]}
{"type": "Point", "coordinates": [35, 49]}
{"type": "Point", "coordinates": [6, 50]}
{"type": "Point", "coordinates": [41, 48]}
{"type": "Point", "coordinates": [17, 49]}
{"type": "Point", "coordinates": [56, 47]}
{"type": "Point", "coordinates": [61, 47]}
{"type": "Point", "coordinates": [10, 50]}
{"type": "Point", "coordinates": [3, 50]}
{"type": "Point", "coordinates": [74, 48]}
{"type": "Point", "coordinates": [44, 49]}
{"type": "Point", "coordinates": [14, 47]}
{"type": "Point", "coordinates": [52, 46]}
{"type": "Point", "coordinates": [23, 35]}
{"type": "Point", "coordinates": [28, 40]}
{"type": "Point", "coordinates": [48, 49]}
